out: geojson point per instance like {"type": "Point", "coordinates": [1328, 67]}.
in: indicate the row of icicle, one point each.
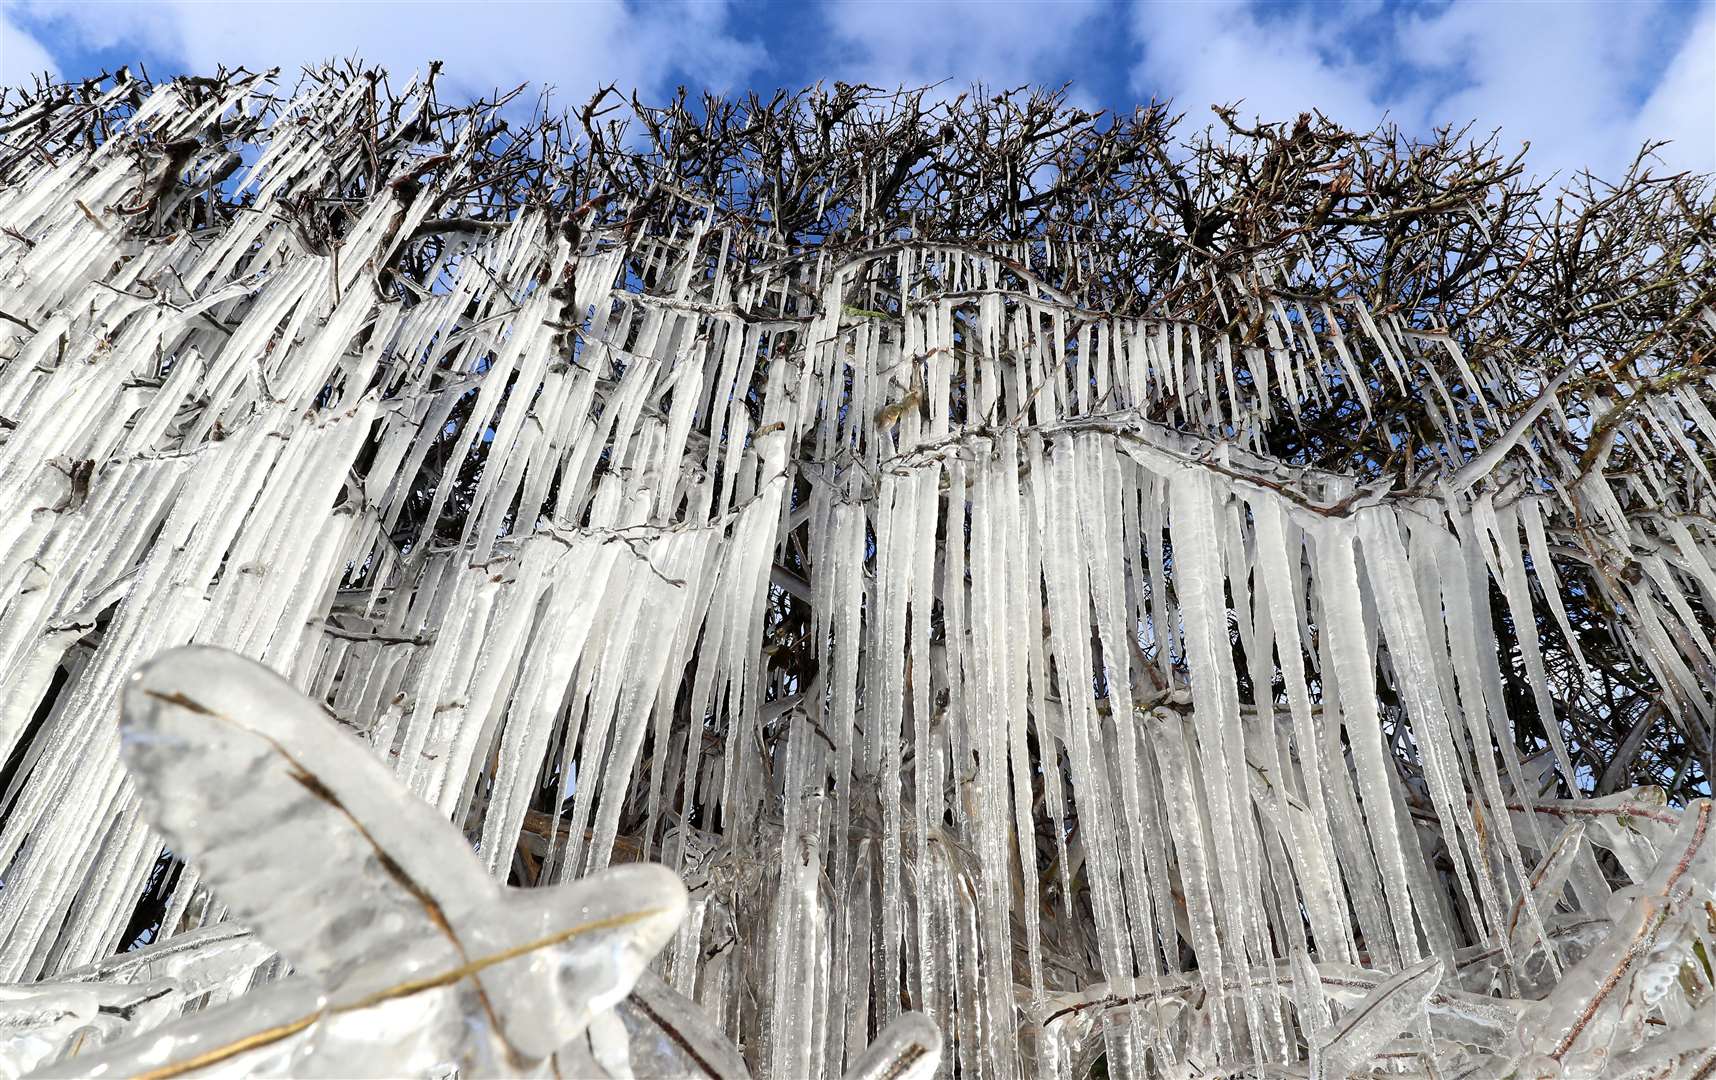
{"type": "Point", "coordinates": [1023, 794]}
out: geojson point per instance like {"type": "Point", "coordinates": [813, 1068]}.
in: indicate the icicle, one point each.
{"type": "Point", "coordinates": [1343, 620]}
{"type": "Point", "coordinates": [1503, 528]}
{"type": "Point", "coordinates": [1221, 739]}
{"type": "Point", "coordinates": [1319, 877]}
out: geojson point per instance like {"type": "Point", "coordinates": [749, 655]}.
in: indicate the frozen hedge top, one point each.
{"type": "Point", "coordinates": [1202, 601]}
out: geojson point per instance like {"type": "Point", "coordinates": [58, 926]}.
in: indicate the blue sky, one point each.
{"type": "Point", "coordinates": [1585, 83]}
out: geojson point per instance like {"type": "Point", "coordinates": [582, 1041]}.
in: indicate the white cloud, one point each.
{"type": "Point", "coordinates": [21, 55]}
{"type": "Point", "coordinates": [1683, 105]}
{"type": "Point", "coordinates": [1585, 83]}
{"type": "Point", "coordinates": [1282, 65]}
{"type": "Point", "coordinates": [575, 47]}
{"type": "Point", "coordinates": [1001, 44]}
{"type": "Point", "coordinates": [1561, 83]}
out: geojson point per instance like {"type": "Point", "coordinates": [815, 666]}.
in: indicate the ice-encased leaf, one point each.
{"type": "Point", "coordinates": [907, 1049]}
{"type": "Point", "coordinates": [37, 1023]}
{"type": "Point", "coordinates": [1389, 1009]}
{"type": "Point", "coordinates": [236, 768]}
{"type": "Point", "coordinates": [1580, 1024]}
{"type": "Point", "coordinates": [1546, 883]}
{"type": "Point", "coordinates": [126, 995]}
{"type": "Point", "coordinates": [413, 956]}
{"type": "Point", "coordinates": [197, 960]}
{"type": "Point", "coordinates": [671, 1036]}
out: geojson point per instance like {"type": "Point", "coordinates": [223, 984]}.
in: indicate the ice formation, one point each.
{"type": "Point", "coordinates": [1024, 794]}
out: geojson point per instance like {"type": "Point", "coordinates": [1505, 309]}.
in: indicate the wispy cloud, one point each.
{"type": "Point", "coordinates": [1277, 63]}
{"type": "Point", "coordinates": [1683, 104]}
{"type": "Point", "coordinates": [960, 41]}
{"type": "Point", "coordinates": [21, 55]}
{"type": "Point", "coordinates": [573, 46]}
{"type": "Point", "coordinates": [1584, 83]}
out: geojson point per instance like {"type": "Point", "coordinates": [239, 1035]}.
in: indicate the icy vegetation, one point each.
{"type": "Point", "coordinates": [967, 676]}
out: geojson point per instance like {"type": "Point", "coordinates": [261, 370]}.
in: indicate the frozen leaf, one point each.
{"type": "Point", "coordinates": [1391, 1008]}
{"type": "Point", "coordinates": [907, 1049]}
{"type": "Point", "coordinates": [410, 955]}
